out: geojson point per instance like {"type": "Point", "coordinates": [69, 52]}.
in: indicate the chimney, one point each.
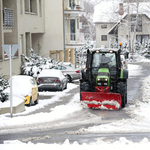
{"type": "Point", "coordinates": [121, 11]}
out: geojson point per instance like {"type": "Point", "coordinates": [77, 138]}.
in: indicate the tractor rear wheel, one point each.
{"type": "Point", "coordinates": [122, 89]}
{"type": "Point", "coordinates": [84, 87]}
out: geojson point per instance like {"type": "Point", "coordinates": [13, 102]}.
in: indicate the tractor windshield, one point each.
{"type": "Point", "coordinates": [104, 58]}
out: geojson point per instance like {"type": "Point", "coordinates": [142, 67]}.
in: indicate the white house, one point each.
{"type": "Point", "coordinates": [113, 24]}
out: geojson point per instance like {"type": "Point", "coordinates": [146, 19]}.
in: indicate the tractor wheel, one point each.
{"type": "Point", "coordinates": [84, 87]}
{"type": "Point", "coordinates": [122, 89]}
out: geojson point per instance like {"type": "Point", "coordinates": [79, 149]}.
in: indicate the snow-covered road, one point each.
{"type": "Point", "coordinates": [139, 121]}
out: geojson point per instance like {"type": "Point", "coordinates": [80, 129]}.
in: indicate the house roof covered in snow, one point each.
{"type": "Point", "coordinates": [108, 11]}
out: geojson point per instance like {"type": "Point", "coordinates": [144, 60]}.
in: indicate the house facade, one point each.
{"type": "Point", "coordinates": [50, 27]}
{"type": "Point", "coordinates": [73, 9]}
{"type": "Point", "coordinates": [118, 28]}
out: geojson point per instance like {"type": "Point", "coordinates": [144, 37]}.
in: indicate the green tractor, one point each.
{"type": "Point", "coordinates": [104, 81]}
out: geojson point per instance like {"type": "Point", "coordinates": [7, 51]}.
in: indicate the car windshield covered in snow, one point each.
{"type": "Point", "coordinates": [104, 58]}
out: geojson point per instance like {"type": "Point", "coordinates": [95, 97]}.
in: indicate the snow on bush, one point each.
{"type": "Point", "coordinates": [3, 85]}
{"type": "Point", "coordinates": [34, 64]}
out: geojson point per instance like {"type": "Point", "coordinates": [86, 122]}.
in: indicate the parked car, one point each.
{"type": "Point", "coordinates": [71, 72]}
{"type": "Point", "coordinates": [124, 62]}
{"type": "Point", "coordinates": [26, 87]}
{"type": "Point", "coordinates": [69, 64]}
{"type": "Point", "coordinates": [51, 79]}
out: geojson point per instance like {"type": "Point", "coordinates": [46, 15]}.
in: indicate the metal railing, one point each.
{"type": "Point", "coordinates": [74, 37]}
{"type": "Point", "coordinates": [8, 18]}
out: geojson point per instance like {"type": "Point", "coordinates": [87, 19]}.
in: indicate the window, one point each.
{"type": "Point", "coordinates": [104, 38]}
{"type": "Point", "coordinates": [141, 38]}
{"type": "Point", "coordinates": [33, 6]}
{"type": "Point", "coordinates": [77, 23]}
{"type": "Point", "coordinates": [71, 3]}
{"type": "Point", "coordinates": [99, 58]}
{"type": "Point", "coordinates": [72, 30]}
{"type": "Point", "coordinates": [139, 23]}
{"type": "Point", "coordinates": [26, 3]}
{"type": "Point", "coordinates": [21, 9]}
{"type": "Point", "coordinates": [21, 44]}
{"type": "Point", "coordinates": [40, 8]}
{"type": "Point", "coordinates": [8, 18]}
{"type": "Point", "coordinates": [104, 26]}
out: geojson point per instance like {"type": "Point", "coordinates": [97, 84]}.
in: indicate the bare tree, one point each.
{"type": "Point", "coordinates": [87, 18]}
{"type": "Point", "coordinates": [136, 21]}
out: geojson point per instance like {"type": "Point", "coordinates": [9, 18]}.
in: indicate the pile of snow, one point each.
{"type": "Point", "coordinates": [137, 58]}
{"type": "Point", "coordinates": [16, 102]}
{"type": "Point", "coordinates": [122, 144]}
{"type": "Point", "coordinates": [56, 113]}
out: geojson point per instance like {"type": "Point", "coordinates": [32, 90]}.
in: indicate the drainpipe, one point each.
{"type": "Point", "coordinates": [64, 31]}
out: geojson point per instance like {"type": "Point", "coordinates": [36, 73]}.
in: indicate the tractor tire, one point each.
{"type": "Point", "coordinates": [122, 89]}
{"type": "Point", "coordinates": [84, 87]}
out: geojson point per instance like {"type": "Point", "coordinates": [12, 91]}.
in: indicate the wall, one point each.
{"type": "Point", "coordinates": [100, 31]}
{"type": "Point", "coordinates": [53, 36]}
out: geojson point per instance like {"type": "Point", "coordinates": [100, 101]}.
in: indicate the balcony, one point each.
{"type": "Point", "coordinates": [74, 7]}
{"type": "Point", "coordinates": [74, 39]}
{"type": "Point", "coordinates": [7, 19]}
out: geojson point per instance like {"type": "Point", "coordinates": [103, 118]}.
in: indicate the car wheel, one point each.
{"type": "Point", "coordinates": [36, 101]}
{"type": "Point", "coordinates": [66, 86]}
{"type": "Point", "coordinates": [61, 88]}
{"type": "Point", "coordinates": [69, 78]}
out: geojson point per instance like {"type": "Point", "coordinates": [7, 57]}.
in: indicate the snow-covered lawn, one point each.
{"type": "Point", "coordinates": [139, 122]}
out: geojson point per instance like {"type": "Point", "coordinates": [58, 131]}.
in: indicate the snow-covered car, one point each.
{"type": "Point", "coordinates": [51, 79]}
{"type": "Point", "coordinates": [124, 62]}
{"type": "Point", "coordinates": [71, 72]}
{"type": "Point", "coordinates": [25, 87]}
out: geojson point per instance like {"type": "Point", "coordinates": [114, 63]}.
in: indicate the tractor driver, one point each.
{"type": "Point", "coordinates": [105, 59]}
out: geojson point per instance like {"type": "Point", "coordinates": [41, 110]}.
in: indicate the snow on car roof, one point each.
{"type": "Point", "coordinates": [22, 85]}
{"type": "Point", "coordinates": [50, 73]}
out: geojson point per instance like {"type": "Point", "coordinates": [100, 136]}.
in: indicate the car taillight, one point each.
{"type": "Point", "coordinates": [124, 62]}
{"type": "Point", "coordinates": [40, 80]}
{"type": "Point", "coordinates": [77, 71]}
{"type": "Point", "coordinates": [56, 80]}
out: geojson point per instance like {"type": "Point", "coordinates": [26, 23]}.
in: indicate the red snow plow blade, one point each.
{"type": "Point", "coordinates": [102, 100]}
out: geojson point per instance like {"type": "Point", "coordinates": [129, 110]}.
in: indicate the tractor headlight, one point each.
{"type": "Point", "coordinates": [102, 82]}
{"type": "Point", "coordinates": [99, 79]}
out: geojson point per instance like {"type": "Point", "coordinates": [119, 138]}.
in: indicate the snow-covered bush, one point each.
{"type": "Point", "coordinates": [81, 53]}
{"type": "Point", "coordinates": [137, 47]}
{"type": "Point", "coordinates": [3, 85]}
{"type": "Point", "coordinates": [35, 63]}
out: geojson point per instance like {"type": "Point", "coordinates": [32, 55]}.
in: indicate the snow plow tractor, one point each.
{"type": "Point", "coordinates": [104, 81]}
